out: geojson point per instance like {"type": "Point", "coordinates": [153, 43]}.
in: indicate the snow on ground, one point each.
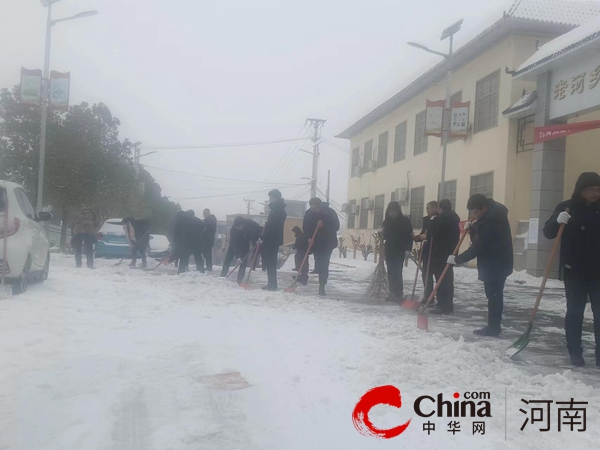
{"type": "Point", "coordinates": [124, 359]}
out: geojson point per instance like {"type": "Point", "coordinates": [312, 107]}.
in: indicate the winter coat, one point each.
{"type": "Point", "coordinates": [188, 234]}
{"type": "Point", "coordinates": [491, 244]}
{"type": "Point", "coordinates": [86, 221]}
{"type": "Point", "coordinates": [398, 236]}
{"type": "Point", "coordinates": [210, 230]}
{"type": "Point", "coordinates": [580, 245]}
{"type": "Point", "coordinates": [273, 232]}
{"type": "Point", "coordinates": [249, 234]}
{"type": "Point", "coordinates": [326, 239]}
{"type": "Point", "coordinates": [427, 221]}
{"type": "Point", "coordinates": [445, 231]}
{"type": "Point", "coordinates": [137, 232]}
{"type": "Point", "coordinates": [301, 243]}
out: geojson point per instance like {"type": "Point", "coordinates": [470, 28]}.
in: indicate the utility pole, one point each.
{"type": "Point", "coordinates": [248, 204]}
{"type": "Point", "coordinates": [328, 184]}
{"type": "Point", "coordinates": [316, 124]}
{"type": "Point", "coordinates": [136, 157]}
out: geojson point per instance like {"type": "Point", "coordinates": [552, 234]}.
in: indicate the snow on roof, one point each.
{"type": "Point", "coordinates": [555, 11]}
{"type": "Point", "coordinates": [525, 103]}
{"type": "Point", "coordinates": [568, 42]}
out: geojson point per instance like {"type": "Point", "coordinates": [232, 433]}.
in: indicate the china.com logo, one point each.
{"type": "Point", "coordinates": [475, 404]}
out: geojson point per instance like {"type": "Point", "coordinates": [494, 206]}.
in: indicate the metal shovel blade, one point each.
{"type": "Point", "coordinates": [290, 289]}
{"type": "Point", "coordinates": [410, 302]}
{"type": "Point", "coordinates": [520, 344]}
{"type": "Point", "coordinates": [423, 322]}
{"type": "Point", "coordinates": [245, 286]}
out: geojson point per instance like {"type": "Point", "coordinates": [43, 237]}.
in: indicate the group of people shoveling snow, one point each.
{"type": "Point", "coordinates": [576, 221]}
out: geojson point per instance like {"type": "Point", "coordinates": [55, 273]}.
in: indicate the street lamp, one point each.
{"type": "Point", "coordinates": [45, 88]}
{"type": "Point", "coordinates": [447, 33]}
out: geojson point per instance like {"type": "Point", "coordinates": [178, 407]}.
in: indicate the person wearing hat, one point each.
{"type": "Point", "coordinates": [272, 238]}
{"type": "Point", "coordinates": [247, 234]}
{"type": "Point", "coordinates": [579, 259]}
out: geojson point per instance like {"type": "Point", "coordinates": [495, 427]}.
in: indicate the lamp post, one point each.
{"type": "Point", "coordinates": [446, 119]}
{"type": "Point", "coordinates": [45, 89]}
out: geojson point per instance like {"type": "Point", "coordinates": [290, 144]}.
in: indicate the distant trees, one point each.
{"type": "Point", "coordinates": [87, 165]}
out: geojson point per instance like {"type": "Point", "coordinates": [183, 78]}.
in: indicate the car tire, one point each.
{"type": "Point", "coordinates": [20, 284]}
{"type": "Point", "coordinates": [46, 270]}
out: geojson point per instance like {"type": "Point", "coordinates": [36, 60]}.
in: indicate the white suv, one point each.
{"type": "Point", "coordinates": [26, 256]}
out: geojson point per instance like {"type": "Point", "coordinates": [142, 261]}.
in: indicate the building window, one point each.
{"type": "Point", "coordinates": [400, 142]}
{"type": "Point", "coordinates": [486, 102]}
{"type": "Point", "coordinates": [382, 153]}
{"type": "Point", "coordinates": [420, 137]}
{"type": "Point", "coordinates": [417, 206]}
{"type": "Point", "coordinates": [351, 217]}
{"type": "Point", "coordinates": [449, 192]}
{"type": "Point", "coordinates": [364, 215]}
{"type": "Point", "coordinates": [483, 184]}
{"type": "Point", "coordinates": [526, 127]}
{"type": "Point", "coordinates": [368, 155]}
{"type": "Point", "coordinates": [378, 211]}
{"type": "Point", "coordinates": [355, 163]}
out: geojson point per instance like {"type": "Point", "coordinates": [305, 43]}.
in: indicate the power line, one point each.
{"type": "Point", "coordinates": [217, 178]}
{"type": "Point", "coordinates": [234, 193]}
{"type": "Point", "coordinates": [211, 146]}
{"type": "Point", "coordinates": [339, 147]}
{"type": "Point", "coordinates": [287, 159]}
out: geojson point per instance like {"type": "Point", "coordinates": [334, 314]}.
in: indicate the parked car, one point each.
{"type": "Point", "coordinates": [160, 246]}
{"type": "Point", "coordinates": [26, 255]}
{"type": "Point", "coordinates": [112, 241]}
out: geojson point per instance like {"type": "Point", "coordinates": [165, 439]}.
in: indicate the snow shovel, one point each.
{"type": "Point", "coordinates": [292, 288]}
{"type": "Point", "coordinates": [410, 302]}
{"type": "Point", "coordinates": [423, 317]}
{"type": "Point", "coordinates": [246, 285]}
{"type": "Point", "coordinates": [523, 341]}
{"type": "Point", "coordinates": [237, 265]}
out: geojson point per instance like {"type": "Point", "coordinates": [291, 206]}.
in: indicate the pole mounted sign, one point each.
{"type": "Point", "coordinates": [59, 90]}
{"type": "Point", "coordinates": [31, 86]}
{"type": "Point", "coordinates": [459, 119]}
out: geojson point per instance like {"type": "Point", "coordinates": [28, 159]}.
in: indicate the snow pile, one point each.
{"type": "Point", "coordinates": [119, 358]}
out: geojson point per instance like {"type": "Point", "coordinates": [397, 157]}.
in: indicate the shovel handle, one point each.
{"type": "Point", "coordinates": [417, 272]}
{"type": "Point", "coordinates": [446, 269]}
{"type": "Point", "coordinates": [555, 247]}
{"type": "Point", "coordinates": [253, 261]}
{"type": "Point", "coordinates": [310, 244]}
{"type": "Point", "coordinates": [237, 265]}
{"type": "Point", "coordinates": [428, 267]}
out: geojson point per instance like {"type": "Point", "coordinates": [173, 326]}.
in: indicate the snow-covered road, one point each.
{"type": "Point", "coordinates": [124, 359]}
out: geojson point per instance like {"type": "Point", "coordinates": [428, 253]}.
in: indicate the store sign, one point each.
{"type": "Point", "coordinates": [459, 119]}
{"type": "Point", "coordinates": [550, 132]}
{"type": "Point", "coordinates": [59, 90]}
{"type": "Point", "coordinates": [31, 86]}
{"type": "Point", "coordinates": [575, 88]}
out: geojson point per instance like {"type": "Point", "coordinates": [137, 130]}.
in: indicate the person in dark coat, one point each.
{"type": "Point", "coordinates": [138, 235]}
{"type": "Point", "coordinates": [300, 245]}
{"type": "Point", "coordinates": [492, 246]}
{"type": "Point", "coordinates": [189, 240]}
{"type": "Point", "coordinates": [321, 216]}
{"type": "Point", "coordinates": [171, 237]}
{"type": "Point", "coordinates": [234, 236]}
{"type": "Point", "coordinates": [248, 234]}
{"type": "Point", "coordinates": [398, 242]}
{"type": "Point", "coordinates": [84, 231]}
{"type": "Point", "coordinates": [432, 210]}
{"type": "Point", "coordinates": [272, 238]}
{"type": "Point", "coordinates": [210, 230]}
{"type": "Point", "coordinates": [580, 259]}
{"type": "Point", "coordinates": [445, 232]}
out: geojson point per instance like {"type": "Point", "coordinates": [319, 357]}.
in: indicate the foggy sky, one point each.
{"type": "Point", "coordinates": [183, 72]}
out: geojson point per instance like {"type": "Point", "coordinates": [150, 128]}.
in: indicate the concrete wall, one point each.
{"type": "Point", "coordinates": [583, 153]}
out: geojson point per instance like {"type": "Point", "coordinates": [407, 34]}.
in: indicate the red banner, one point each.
{"type": "Point", "coordinates": [543, 134]}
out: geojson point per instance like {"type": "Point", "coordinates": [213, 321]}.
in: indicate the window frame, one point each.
{"type": "Point", "coordinates": [451, 198]}
{"type": "Point", "coordinates": [363, 212]}
{"type": "Point", "coordinates": [378, 213]}
{"type": "Point", "coordinates": [351, 219]}
{"type": "Point", "coordinates": [421, 139]}
{"type": "Point", "coordinates": [23, 200]}
{"type": "Point", "coordinates": [417, 222]}
{"type": "Point", "coordinates": [477, 189]}
{"type": "Point", "coordinates": [400, 150]}
{"type": "Point", "coordinates": [365, 159]}
{"type": "Point", "coordinates": [383, 143]}
{"type": "Point", "coordinates": [485, 101]}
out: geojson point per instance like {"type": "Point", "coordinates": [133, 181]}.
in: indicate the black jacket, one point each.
{"type": "Point", "coordinates": [427, 221]}
{"type": "Point", "coordinates": [445, 231]}
{"type": "Point", "coordinates": [301, 243]}
{"type": "Point", "coordinates": [580, 245]}
{"type": "Point", "coordinates": [188, 234]}
{"type": "Point", "coordinates": [273, 233]}
{"type": "Point", "coordinates": [397, 235]}
{"type": "Point", "coordinates": [326, 239]}
{"type": "Point", "coordinates": [210, 229]}
{"type": "Point", "coordinates": [491, 244]}
{"type": "Point", "coordinates": [249, 234]}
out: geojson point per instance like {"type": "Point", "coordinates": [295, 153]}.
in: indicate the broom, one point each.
{"type": "Point", "coordinates": [410, 302]}
{"type": "Point", "coordinates": [292, 288]}
{"type": "Point", "coordinates": [379, 286]}
{"type": "Point", "coordinates": [246, 285]}
{"type": "Point", "coordinates": [423, 318]}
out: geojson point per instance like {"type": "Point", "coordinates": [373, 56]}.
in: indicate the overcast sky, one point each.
{"type": "Point", "coordinates": [181, 72]}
